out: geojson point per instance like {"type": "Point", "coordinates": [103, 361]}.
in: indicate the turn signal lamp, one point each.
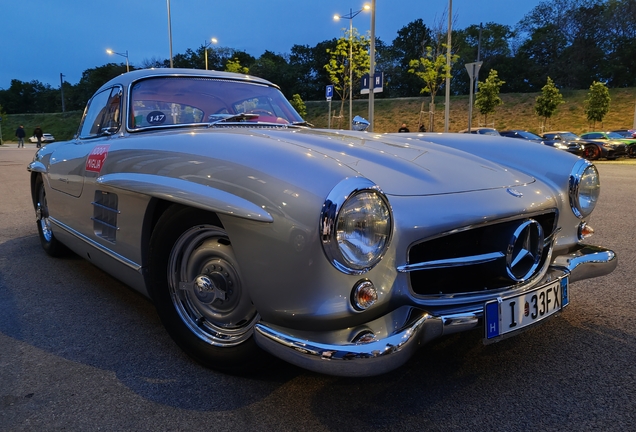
{"type": "Point", "coordinates": [585, 231]}
{"type": "Point", "coordinates": [364, 295]}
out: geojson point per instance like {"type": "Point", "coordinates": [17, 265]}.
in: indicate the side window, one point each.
{"type": "Point", "coordinates": [103, 114]}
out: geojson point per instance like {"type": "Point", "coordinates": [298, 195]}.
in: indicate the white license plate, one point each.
{"type": "Point", "coordinates": [506, 315]}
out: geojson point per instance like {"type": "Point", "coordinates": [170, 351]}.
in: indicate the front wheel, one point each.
{"type": "Point", "coordinates": [197, 289]}
{"type": "Point", "coordinates": [49, 243]}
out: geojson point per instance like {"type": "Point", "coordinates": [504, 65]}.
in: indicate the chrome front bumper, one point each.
{"type": "Point", "coordinates": [403, 330]}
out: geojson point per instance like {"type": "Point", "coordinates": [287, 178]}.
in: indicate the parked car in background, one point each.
{"type": "Point", "coordinates": [573, 147]}
{"type": "Point", "coordinates": [338, 251]}
{"type": "Point", "coordinates": [46, 138]}
{"type": "Point", "coordinates": [481, 131]}
{"type": "Point", "coordinates": [594, 149]}
{"type": "Point", "coordinates": [626, 133]}
{"type": "Point", "coordinates": [613, 137]}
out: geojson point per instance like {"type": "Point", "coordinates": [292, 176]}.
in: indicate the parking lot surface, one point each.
{"type": "Point", "coordinates": [81, 351]}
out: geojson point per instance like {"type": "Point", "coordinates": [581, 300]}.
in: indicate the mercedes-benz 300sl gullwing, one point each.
{"type": "Point", "coordinates": [342, 252]}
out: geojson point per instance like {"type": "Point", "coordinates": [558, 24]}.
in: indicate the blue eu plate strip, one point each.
{"type": "Point", "coordinates": [492, 320]}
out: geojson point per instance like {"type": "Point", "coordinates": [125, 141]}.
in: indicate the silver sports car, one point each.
{"type": "Point", "coordinates": [338, 251]}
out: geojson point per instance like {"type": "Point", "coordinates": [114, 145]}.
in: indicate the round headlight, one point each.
{"type": "Point", "coordinates": [356, 225]}
{"type": "Point", "coordinates": [585, 187]}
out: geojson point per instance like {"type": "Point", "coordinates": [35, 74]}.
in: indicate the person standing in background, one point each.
{"type": "Point", "coordinates": [20, 134]}
{"type": "Point", "coordinates": [37, 132]}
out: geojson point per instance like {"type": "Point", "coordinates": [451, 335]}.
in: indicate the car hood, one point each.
{"type": "Point", "coordinates": [406, 166]}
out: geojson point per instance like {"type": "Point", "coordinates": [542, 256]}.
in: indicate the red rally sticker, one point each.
{"type": "Point", "coordinates": [96, 158]}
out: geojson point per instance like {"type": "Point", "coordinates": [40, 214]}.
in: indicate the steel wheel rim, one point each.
{"type": "Point", "coordinates": [42, 214]}
{"type": "Point", "coordinates": [203, 257]}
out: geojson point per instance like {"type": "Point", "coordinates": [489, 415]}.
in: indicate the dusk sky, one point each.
{"type": "Point", "coordinates": [39, 39]}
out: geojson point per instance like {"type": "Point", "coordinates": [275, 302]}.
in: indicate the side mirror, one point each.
{"type": "Point", "coordinates": [360, 124]}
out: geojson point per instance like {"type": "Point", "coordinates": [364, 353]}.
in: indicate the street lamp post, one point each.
{"type": "Point", "coordinates": [110, 51]}
{"type": "Point", "coordinates": [170, 33]}
{"type": "Point", "coordinates": [62, 90]}
{"type": "Point", "coordinates": [372, 68]}
{"type": "Point", "coordinates": [448, 66]}
{"type": "Point", "coordinates": [205, 46]}
{"type": "Point", "coordinates": [350, 17]}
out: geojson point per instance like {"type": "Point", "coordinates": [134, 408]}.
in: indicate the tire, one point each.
{"type": "Point", "coordinates": [592, 152]}
{"type": "Point", "coordinates": [195, 283]}
{"type": "Point", "coordinates": [632, 151]}
{"type": "Point", "coordinates": [49, 243]}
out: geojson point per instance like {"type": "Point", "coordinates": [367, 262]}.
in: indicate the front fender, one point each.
{"type": "Point", "coordinates": [187, 193]}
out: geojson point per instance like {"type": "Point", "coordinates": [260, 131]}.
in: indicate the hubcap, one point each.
{"type": "Point", "coordinates": [206, 288]}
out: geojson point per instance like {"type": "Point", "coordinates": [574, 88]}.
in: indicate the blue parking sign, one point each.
{"type": "Point", "coordinates": [329, 92]}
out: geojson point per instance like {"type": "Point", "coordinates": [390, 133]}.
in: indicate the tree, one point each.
{"type": "Point", "coordinates": [487, 98]}
{"type": "Point", "coordinates": [433, 70]}
{"type": "Point", "coordinates": [597, 103]}
{"type": "Point", "coordinates": [92, 80]}
{"type": "Point", "coordinates": [343, 72]}
{"type": "Point", "coordinates": [620, 43]}
{"type": "Point", "coordinates": [275, 68]}
{"type": "Point", "coordinates": [299, 105]}
{"type": "Point", "coordinates": [2, 115]}
{"type": "Point", "coordinates": [548, 101]}
{"type": "Point", "coordinates": [410, 43]}
{"type": "Point", "coordinates": [309, 72]}
{"type": "Point", "coordinates": [491, 43]}
{"type": "Point", "coordinates": [234, 65]}
{"type": "Point", "coordinates": [190, 59]}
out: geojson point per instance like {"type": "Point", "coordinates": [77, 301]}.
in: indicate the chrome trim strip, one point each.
{"type": "Point", "coordinates": [473, 259]}
{"type": "Point", "coordinates": [519, 217]}
{"type": "Point", "coordinates": [105, 224]}
{"type": "Point", "coordinates": [123, 260]}
{"type": "Point", "coordinates": [452, 262]}
{"type": "Point", "coordinates": [102, 206]}
{"type": "Point", "coordinates": [187, 193]}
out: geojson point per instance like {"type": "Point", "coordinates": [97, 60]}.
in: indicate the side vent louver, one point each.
{"type": "Point", "coordinates": [105, 215]}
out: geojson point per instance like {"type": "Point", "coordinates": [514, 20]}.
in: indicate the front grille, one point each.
{"type": "Point", "coordinates": [461, 245]}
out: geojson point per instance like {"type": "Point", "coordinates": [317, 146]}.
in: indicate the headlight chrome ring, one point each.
{"type": "Point", "coordinates": [584, 188]}
{"type": "Point", "coordinates": [356, 223]}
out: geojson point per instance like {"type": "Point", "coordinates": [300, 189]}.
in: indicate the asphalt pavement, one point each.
{"type": "Point", "coordinates": [79, 351]}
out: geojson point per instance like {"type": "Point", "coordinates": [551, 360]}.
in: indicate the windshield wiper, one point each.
{"type": "Point", "coordinates": [302, 123]}
{"type": "Point", "coordinates": [220, 118]}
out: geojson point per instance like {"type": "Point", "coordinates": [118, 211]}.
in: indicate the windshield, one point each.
{"type": "Point", "coordinates": [488, 132]}
{"type": "Point", "coordinates": [614, 135]}
{"type": "Point", "coordinates": [529, 135]}
{"type": "Point", "coordinates": [178, 101]}
{"type": "Point", "coordinates": [569, 136]}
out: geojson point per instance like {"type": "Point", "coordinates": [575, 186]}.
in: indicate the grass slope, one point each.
{"type": "Point", "coordinates": [62, 125]}
{"type": "Point", "coordinates": [517, 112]}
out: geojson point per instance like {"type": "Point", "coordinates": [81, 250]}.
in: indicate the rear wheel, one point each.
{"type": "Point", "coordinates": [592, 152]}
{"type": "Point", "coordinates": [198, 291]}
{"type": "Point", "coordinates": [47, 239]}
{"type": "Point", "coordinates": [632, 151]}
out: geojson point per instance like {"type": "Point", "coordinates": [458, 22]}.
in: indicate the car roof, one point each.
{"type": "Point", "coordinates": [127, 78]}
